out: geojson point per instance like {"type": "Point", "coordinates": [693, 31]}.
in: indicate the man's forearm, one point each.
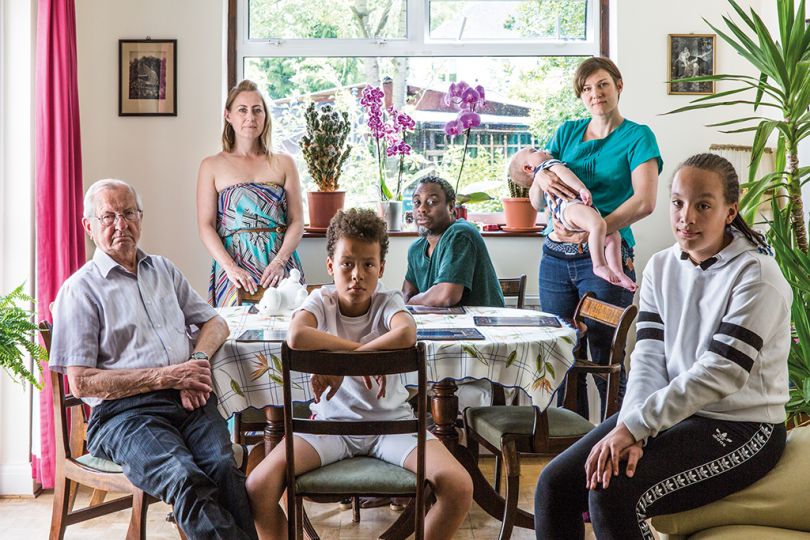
{"type": "Point", "coordinates": [119, 383]}
{"type": "Point", "coordinates": [440, 295]}
{"type": "Point", "coordinates": [212, 335]}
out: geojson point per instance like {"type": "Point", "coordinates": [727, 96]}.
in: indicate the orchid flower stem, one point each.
{"type": "Point", "coordinates": [399, 178]}
{"type": "Point", "coordinates": [380, 165]}
{"type": "Point", "coordinates": [463, 157]}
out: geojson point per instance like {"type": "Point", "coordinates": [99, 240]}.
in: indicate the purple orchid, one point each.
{"type": "Point", "coordinates": [392, 130]}
{"type": "Point", "coordinates": [467, 99]}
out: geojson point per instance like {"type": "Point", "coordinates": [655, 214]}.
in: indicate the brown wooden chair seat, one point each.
{"type": "Point", "coordinates": [508, 431]}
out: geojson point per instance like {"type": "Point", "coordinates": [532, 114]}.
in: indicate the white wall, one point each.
{"type": "Point", "coordinates": [17, 23]}
{"type": "Point", "coordinates": [158, 155]}
{"type": "Point", "coordinates": [642, 56]}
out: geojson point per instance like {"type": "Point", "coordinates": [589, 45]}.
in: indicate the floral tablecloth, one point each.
{"type": "Point", "coordinates": [535, 359]}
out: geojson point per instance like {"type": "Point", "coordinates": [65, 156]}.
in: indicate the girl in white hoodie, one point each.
{"type": "Point", "coordinates": [703, 416]}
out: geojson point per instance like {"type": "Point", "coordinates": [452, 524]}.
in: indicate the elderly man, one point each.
{"type": "Point", "coordinates": [120, 334]}
{"type": "Point", "coordinates": [449, 264]}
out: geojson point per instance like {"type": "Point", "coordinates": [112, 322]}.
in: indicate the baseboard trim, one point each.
{"type": "Point", "coordinates": [15, 480]}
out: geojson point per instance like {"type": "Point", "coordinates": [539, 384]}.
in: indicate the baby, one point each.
{"type": "Point", "coordinates": [576, 215]}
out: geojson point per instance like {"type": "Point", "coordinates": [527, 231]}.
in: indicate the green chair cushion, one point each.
{"type": "Point", "coordinates": [357, 475]}
{"type": "Point", "coordinates": [103, 465]}
{"type": "Point", "coordinates": [493, 422]}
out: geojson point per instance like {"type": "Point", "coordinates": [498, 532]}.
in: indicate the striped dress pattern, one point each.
{"type": "Point", "coordinates": [251, 220]}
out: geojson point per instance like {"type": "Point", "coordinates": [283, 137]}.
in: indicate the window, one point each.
{"type": "Point", "coordinates": [522, 51]}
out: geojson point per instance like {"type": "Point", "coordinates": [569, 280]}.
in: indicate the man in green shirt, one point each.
{"type": "Point", "coordinates": [449, 264]}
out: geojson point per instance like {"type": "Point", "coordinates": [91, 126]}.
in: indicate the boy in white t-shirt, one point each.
{"type": "Point", "coordinates": [357, 314]}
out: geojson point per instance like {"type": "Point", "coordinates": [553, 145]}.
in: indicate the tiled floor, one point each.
{"type": "Point", "coordinates": [29, 519]}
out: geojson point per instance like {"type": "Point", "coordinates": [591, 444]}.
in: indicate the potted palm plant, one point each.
{"type": "Point", "coordinates": [16, 328]}
{"type": "Point", "coordinates": [783, 86]}
{"type": "Point", "coordinates": [325, 150]}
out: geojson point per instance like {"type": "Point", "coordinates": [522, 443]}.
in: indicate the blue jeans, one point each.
{"type": "Point", "coordinates": [182, 457]}
{"type": "Point", "coordinates": [564, 279]}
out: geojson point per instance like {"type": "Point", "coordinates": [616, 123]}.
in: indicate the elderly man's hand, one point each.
{"type": "Point", "coordinates": [194, 375]}
{"type": "Point", "coordinates": [192, 400]}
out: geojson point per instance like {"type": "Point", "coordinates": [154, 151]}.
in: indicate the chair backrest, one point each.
{"type": "Point", "coordinates": [355, 364]}
{"type": "Point", "coordinates": [245, 297]}
{"type": "Point", "coordinates": [618, 318]}
{"type": "Point", "coordinates": [514, 288]}
{"type": "Point", "coordinates": [69, 412]}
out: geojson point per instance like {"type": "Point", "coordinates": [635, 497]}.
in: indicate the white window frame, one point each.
{"type": "Point", "coordinates": [416, 44]}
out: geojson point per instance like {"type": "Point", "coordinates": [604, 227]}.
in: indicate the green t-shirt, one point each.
{"type": "Point", "coordinates": [605, 165]}
{"type": "Point", "coordinates": [460, 257]}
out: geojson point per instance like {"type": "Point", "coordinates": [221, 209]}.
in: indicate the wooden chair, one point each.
{"type": "Point", "coordinates": [358, 475]}
{"type": "Point", "coordinates": [245, 297]}
{"type": "Point", "coordinates": [74, 467]}
{"type": "Point", "coordinates": [508, 431]}
{"type": "Point", "coordinates": [514, 288]}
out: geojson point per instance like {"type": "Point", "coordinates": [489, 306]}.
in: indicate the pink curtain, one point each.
{"type": "Point", "coordinates": [60, 240]}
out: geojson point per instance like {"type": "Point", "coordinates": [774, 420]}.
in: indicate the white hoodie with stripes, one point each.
{"type": "Point", "coordinates": [712, 340]}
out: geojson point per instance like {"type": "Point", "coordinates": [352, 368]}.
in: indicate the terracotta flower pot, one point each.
{"type": "Point", "coordinates": [323, 205]}
{"type": "Point", "coordinates": [519, 213]}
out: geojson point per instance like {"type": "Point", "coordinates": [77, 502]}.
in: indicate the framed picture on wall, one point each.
{"type": "Point", "coordinates": [691, 55]}
{"type": "Point", "coordinates": [147, 77]}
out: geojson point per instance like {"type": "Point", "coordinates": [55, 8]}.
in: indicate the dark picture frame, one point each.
{"type": "Point", "coordinates": [147, 77]}
{"type": "Point", "coordinates": [691, 55]}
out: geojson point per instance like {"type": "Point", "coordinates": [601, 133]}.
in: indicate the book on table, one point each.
{"type": "Point", "coordinates": [262, 334]}
{"type": "Point", "coordinates": [449, 334]}
{"type": "Point", "coordinates": [517, 321]}
{"type": "Point", "coordinates": [441, 310]}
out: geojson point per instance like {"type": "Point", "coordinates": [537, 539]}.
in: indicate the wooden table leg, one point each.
{"type": "Point", "coordinates": [274, 431]}
{"type": "Point", "coordinates": [444, 408]}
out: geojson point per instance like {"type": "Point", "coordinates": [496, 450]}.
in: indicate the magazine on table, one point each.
{"type": "Point", "coordinates": [448, 334]}
{"type": "Point", "coordinates": [517, 321]}
{"type": "Point", "coordinates": [422, 310]}
{"type": "Point", "coordinates": [262, 334]}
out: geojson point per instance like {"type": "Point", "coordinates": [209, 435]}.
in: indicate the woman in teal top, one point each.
{"type": "Point", "coordinates": [619, 161]}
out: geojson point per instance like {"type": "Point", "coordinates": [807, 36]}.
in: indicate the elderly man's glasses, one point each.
{"type": "Point", "coordinates": [111, 218]}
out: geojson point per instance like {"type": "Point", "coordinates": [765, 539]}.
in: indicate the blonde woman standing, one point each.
{"type": "Point", "coordinates": [249, 209]}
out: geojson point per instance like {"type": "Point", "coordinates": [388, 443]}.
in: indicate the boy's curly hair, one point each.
{"type": "Point", "coordinates": [360, 224]}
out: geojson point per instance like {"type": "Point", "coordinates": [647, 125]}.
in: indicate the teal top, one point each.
{"type": "Point", "coordinates": [605, 165]}
{"type": "Point", "coordinates": [460, 257]}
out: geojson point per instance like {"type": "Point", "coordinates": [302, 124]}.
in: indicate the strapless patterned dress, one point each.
{"type": "Point", "coordinates": [251, 221]}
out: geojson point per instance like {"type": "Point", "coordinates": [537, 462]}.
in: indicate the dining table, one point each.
{"type": "Point", "coordinates": [531, 357]}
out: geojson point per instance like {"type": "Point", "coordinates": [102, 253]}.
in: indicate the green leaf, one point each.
{"type": "Point", "coordinates": [511, 358]}
{"type": "Point", "coordinates": [236, 388]}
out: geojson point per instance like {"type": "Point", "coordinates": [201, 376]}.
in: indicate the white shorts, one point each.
{"type": "Point", "coordinates": [392, 449]}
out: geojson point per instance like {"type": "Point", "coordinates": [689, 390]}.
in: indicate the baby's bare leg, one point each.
{"type": "Point", "coordinates": [587, 218]}
{"type": "Point", "coordinates": [613, 254]}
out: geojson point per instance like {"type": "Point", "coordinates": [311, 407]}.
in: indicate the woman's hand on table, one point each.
{"type": "Point", "coordinates": [320, 383]}
{"type": "Point", "coordinates": [241, 278]}
{"type": "Point", "coordinates": [273, 274]}
{"type": "Point", "coordinates": [603, 461]}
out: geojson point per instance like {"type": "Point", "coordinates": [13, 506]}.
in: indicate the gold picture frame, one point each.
{"type": "Point", "coordinates": [147, 77]}
{"type": "Point", "coordinates": [691, 55]}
